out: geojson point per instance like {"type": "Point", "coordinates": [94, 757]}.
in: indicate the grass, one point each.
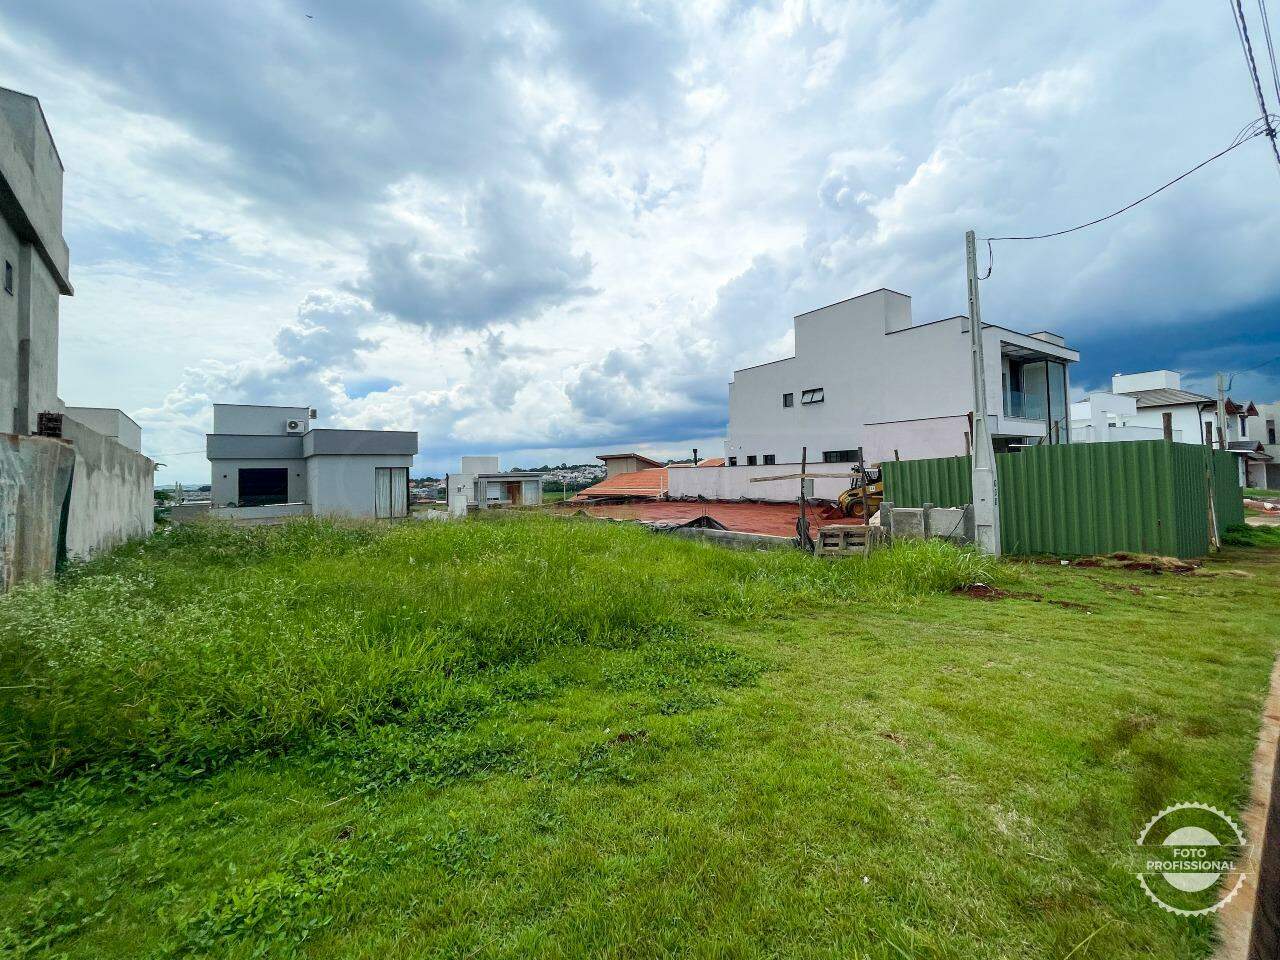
{"type": "Point", "coordinates": [533, 736]}
{"type": "Point", "coordinates": [1261, 493]}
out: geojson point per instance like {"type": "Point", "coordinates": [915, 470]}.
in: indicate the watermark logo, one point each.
{"type": "Point", "coordinates": [1189, 858]}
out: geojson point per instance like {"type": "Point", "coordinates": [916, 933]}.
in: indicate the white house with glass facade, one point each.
{"type": "Point", "coordinates": [865, 379]}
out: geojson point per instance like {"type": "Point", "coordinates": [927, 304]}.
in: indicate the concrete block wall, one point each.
{"type": "Point", "coordinates": [916, 523]}
{"type": "Point", "coordinates": [35, 477]}
{"type": "Point", "coordinates": [112, 493]}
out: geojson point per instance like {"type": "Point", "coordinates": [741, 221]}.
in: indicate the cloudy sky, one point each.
{"type": "Point", "coordinates": [550, 229]}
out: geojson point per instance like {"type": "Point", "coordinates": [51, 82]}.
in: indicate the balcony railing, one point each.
{"type": "Point", "coordinates": [1025, 406]}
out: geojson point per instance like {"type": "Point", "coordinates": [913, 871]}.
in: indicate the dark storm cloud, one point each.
{"type": "Point", "coordinates": [333, 109]}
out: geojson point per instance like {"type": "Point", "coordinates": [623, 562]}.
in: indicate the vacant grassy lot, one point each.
{"type": "Point", "coordinates": [539, 737]}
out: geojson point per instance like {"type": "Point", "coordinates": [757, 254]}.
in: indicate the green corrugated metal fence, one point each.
{"type": "Point", "coordinates": [1086, 498]}
{"type": "Point", "coordinates": [944, 482]}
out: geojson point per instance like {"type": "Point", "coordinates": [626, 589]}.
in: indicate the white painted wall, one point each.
{"type": "Point", "coordinates": [734, 483]}
{"type": "Point", "coordinates": [886, 385]}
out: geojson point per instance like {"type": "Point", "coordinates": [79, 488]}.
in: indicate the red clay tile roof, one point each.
{"type": "Point", "coordinates": [709, 462]}
{"type": "Point", "coordinates": [641, 483]}
{"type": "Point", "coordinates": [773, 519]}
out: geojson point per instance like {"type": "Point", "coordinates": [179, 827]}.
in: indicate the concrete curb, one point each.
{"type": "Point", "coordinates": [1241, 922]}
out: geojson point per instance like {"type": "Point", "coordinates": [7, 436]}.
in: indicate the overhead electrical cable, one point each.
{"type": "Point", "coordinates": [1242, 31]}
{"type": "Point", "coordinates": [1271, 50]}
{"type": "Point", "coordinates": [1244, 136]}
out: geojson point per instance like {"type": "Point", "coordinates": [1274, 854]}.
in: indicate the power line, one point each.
{"type": "Point", "coordinates": [1242, 31]}
{"type": "Point", "coordinates": [1243, 137]}
{"type": "Point", "coordinates": [1271, 50]}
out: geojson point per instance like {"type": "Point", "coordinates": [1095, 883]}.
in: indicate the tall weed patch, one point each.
{"type": "Point", "coordinates": [209, 641]}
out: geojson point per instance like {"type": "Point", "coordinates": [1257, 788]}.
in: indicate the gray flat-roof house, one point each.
{"type": "Point", "coordinates": [270, 462]}
{"type": "Point", "coordinates": [485, 484]}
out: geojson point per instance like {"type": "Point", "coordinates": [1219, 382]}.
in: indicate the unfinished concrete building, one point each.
{"type": "Point", "coordinates": [73, 480]}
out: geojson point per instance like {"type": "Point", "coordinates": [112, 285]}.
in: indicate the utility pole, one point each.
{"type": "Point", "coordinates": [1222, 410]}
{"type": "Point", "coordinates": [986, 499]}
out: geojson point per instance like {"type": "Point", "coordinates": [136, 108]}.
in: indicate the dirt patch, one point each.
{"type": "Point", "coordinates": [982, 591]}
{"type": "Point", "coordinates": [897, 738]}
{"type": "Point", "coordinates": [1153, 564]}
{"type": "Point", "coordinates": [628, 736]}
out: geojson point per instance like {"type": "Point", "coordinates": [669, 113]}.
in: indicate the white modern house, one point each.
{"type": "Point", "coordinates": [1264, 426]}
{"type": "Point", "coordinates": [270, 462]}
{"type": "Point", "coordinates": [484, 484]}
{"type": "Point", "coordinates": [1163, 408]}
{"type": "Point", "coordinates": [866, 380]}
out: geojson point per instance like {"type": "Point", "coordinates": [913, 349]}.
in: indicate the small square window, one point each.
{"type": "Point", "coordinates": [788, 399]}
{"type": "Point", "coordinates": [8, 277]}
{"type": "Point", "coordinates": [813, 395]}
{"type": "Point", "coordinates": [751, 461]}
{"type": "Point", "coordinates": [733, 461]}
{"type": "Point", "coordinates": [768, 459]}
{"type": "Point", "coordinates": [842, 456]}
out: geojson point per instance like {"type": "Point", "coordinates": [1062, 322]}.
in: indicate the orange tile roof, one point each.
{"type": "Point", "coordinates": [641, 483]}
{"type": "Point", "coordinates": [772, 519]}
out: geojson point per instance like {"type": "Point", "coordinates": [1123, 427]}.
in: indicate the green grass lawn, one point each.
{"type": "Point", "coordinates": [532, 736]}
{"type": "Point", "coordinates": [1261, 493]}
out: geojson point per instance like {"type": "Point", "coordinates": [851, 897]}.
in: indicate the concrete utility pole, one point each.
{"type": "Point", "coordinates": [986, 498]}
{"type": "Point", "coordinates": [1222, 410]}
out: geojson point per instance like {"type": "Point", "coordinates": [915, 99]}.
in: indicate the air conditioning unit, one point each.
{"type": "Point", "coordinates": [295, 426]}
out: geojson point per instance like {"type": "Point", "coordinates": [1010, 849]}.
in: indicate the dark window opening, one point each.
{"type": "Point", "coordinates": [1271, 431]}
{"type": "Point", "coordinates": [788, 399]}
{"type": "Point", "coordinates": [263, 485]}
{"type": "Point", "coordinates": [733, 461]}
{"type": "Point", "coordinates": [768, 459]}
{"type": "Point", "coordinates": [8, 277]}
{"type": "Point", "coordinates": [751, 461]}
{"type": "Point", "coordinates": [1208, 433]}
{"type": "Point", "coordinates": [842, 456]}
{"type": "Point", "coordinates": [815, 395]}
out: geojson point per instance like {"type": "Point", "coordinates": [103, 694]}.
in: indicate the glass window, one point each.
{"type": "Point", "coordinates": [1059, 419]}
{"type": "Point", "coordinates": [813, 395]}
{"type": "Point", "coordinates": [788, 399]}
{"type": "Point", "coordinates": [751, 461]}
{"type": "Point", "coordinates": [768, 459]}
{"type": "Point", "coordinates": [733, 461]}
{"type": "Point", "coordinates": [842, 456]}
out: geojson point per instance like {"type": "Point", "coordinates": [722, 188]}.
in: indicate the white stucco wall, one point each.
{"type": "Point", "coordinates": [343, 485]}
{"type": "Point", "coordinates": [735, 483]}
